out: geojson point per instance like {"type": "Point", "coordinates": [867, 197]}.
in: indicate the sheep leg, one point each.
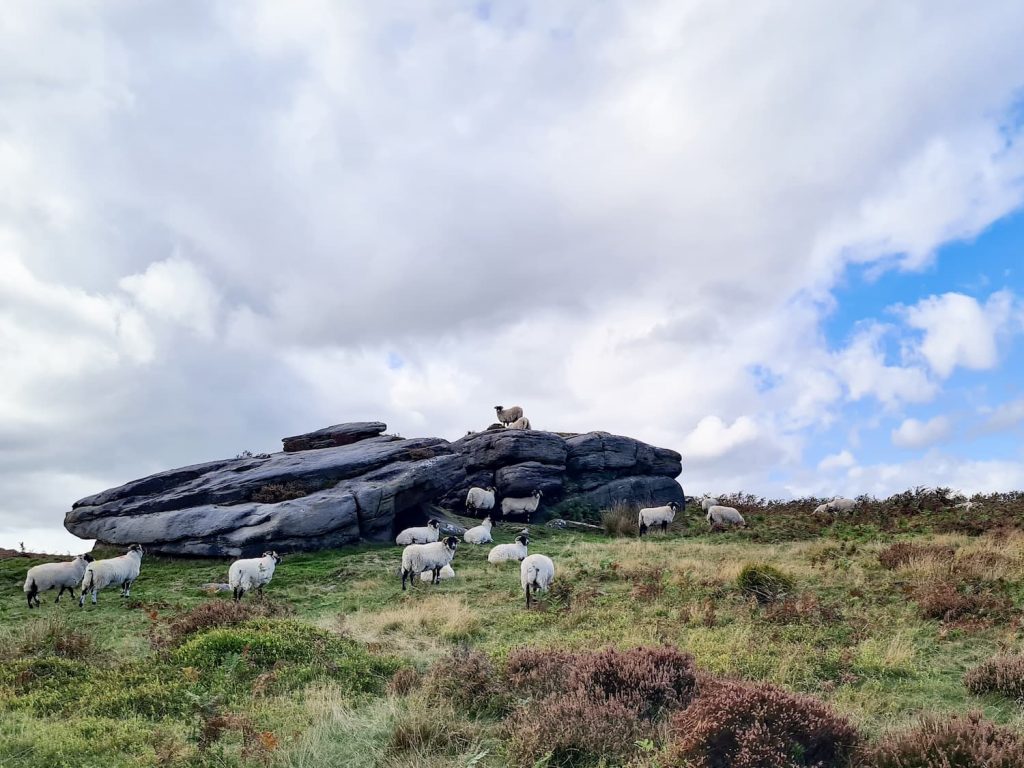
{"type": "Point", "coordinates": [527, 596]}
{"type": "Point", "coordinates": [259, 591]}
{"type": "Point", "coordinates": [664, 526]}
{"type": "Point", "coordinates": [437, 576]}
{"type": "Point", "coordinates": [643, 530]}
{"type": "Point", "coordinates": [404, 574]}
{"type": "Point", "coordinates": [60, 593]}
{"type": "Point", "coordinates": [237, 593]}
{"type": "Point", "coordinates": [29, 596]}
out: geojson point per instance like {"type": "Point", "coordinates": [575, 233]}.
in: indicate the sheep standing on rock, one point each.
{"type": "Point", "coordinates": [121, 570]}
{"type": "Point", "coordinates": [507, 415]}
{"type": "Point", "coordinates": [66, 575]}
{"type": "Point", "coordinates": [719, 515]}
{"type": "Point", "coordinates": [518, 506]}
{"type": "Point", "coordinates": [480, 534]}
{"type": "Point", "coordinates": [521, 423]}
{"type": "Point", "coordinates": [505, 552]}
{"type": "Point", "coordinates": [480, 499]}
{"type": "Point", "coordinates": [652, 516]}
{"type": "Point", "coordinates": [423, 535]}
{"type": "Point", "coordinates": [417, 558]}
{"type": "Point", "coordinates": [536, 572]}
{"type": "Point", "coordinates": [253, 573]}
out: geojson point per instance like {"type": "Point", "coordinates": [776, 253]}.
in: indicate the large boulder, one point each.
{"type": "Point", "coordinates": [334, 436]}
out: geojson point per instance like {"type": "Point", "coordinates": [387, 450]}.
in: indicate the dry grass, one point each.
{"type": "Point", "coordinates": [418, 627]}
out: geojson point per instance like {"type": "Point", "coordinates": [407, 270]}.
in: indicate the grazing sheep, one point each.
{"type": "Point", "coordinates": [707, 502]}
{"type": "Point", "coordinates": [253, 573]}
{"type": "Point", "coordinates": [821, 509]}
{"type": "Point", "coordinates": [66, 575]}
{"type": "Point", "coordinates": [480, 499]}
{"type": "Point", "coordinates": [505, 552]}
{"type": "Point", "coordinates": [480, 534]}
{"type": "Point", "coordinates": [839, 505]}
{"type": "Point", "coordinates": [652, 516]}
{"type": "Point", "coordinates": [967, 505]}
{"type": "Point", "coordinates": [447, 572]}
{"type": "Point", "coordinates": [537, 571]}
{"type": "Point", "coordinates": [121, 570]}
{"type": "Point", "coordinates": [521, 423]}
{"type": "Point", "coordinates": [719, 515]}
{"type": "Point", "coordinates": [518, 506]}
{"type": "Point", "coordinates": [417, 558]}
{"type": "Point", "coordinates": [507, 415]}
{"type": "Point", "coordinates": [424, 535]}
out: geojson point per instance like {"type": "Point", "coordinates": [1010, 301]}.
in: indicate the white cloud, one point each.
{"type": "Point", "coordinates": [842, 460]}
{"type": "Point", "coordinates": [175, 290]}
{"type": "Point", "coordinates": [912, 433]}
{"type": "Point", "coordinates": [863, 369]}
{"type": "Point", "coordinates": [958, 331]}
{"type": "Point", "coordinates": [1004, 416]}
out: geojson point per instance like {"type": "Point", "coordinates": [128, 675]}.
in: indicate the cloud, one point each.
{"type": "Point", "coordinates": [842, 460]}
{"type": "Point", "coordinates": [912, 433]}
{"type": "Point", "coordinates": [224, 233]}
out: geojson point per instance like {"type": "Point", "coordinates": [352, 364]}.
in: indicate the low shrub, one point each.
{"type": "Point", "coordinates": [467, 679]}
{"type": "Point", "coordinates": [273, 493]}
{"type": "Point", "coordinates": [620, 520]}
{"type": "Point", "coordinates": [748, 726]}
{"type": "Point", "coordinates": [765, 583]}
{"type": "Point", "coordinates": [648, 582]}
{"type": "Point", "coordinates": [802, 608]}
{"type": "Point", "coordinates": [219, 613]}
{"type": "Point", "coordinates": [404, 681]}
{"type": "Point", "coordinates": [965, 601]}
{"type": "Point", "coordinates": [419, 732]}
{"type": "Point", "coordinates": [967, 741]}
{"type": "Point", "coordinates": [903, 552]}
{"type": "Point", "coordinates": [49, 637]}
{"type": "Point", "coordinates": [1001, 674]}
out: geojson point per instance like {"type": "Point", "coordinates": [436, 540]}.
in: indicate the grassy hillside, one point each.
{"type": "Point", "coordinates": [328, 669]}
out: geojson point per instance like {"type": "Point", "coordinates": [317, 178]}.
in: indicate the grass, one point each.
{"type": "Point", "coordinates": [302, 680]}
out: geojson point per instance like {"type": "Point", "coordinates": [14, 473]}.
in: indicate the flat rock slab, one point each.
{"type": "Point", "coordinates": [335, 436]}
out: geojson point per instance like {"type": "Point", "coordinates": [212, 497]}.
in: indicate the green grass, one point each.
{"type": "Point", "coordinates": [308, 688]}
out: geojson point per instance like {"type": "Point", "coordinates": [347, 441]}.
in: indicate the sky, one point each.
{"type": "Point", "coordinates": [783, 239]}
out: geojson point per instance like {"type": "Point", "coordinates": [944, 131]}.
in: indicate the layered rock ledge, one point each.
{"type": "Point", "coordinates": [351, 483]}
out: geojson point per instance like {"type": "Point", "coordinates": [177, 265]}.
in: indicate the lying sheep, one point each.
{"type": "Point", "coordinates": [507, 415]}
{"type": "Point", "coordinates": [447, 572]}
{"type": "Point", "coordinates": [66, 575]}
{"type": "Point", "coordinates": [519, 506]}
{"type": "Point", "coordinates": [652, 516]}
{"type": "Point", "coordinates": [536, 571]}
{"type": "Point", "coordinates": [253, 573]}
{"type": "Point", "coordinates": [719, 515]}
{"type": "Point", "coordinates": [521, 423]}
{"type": "Point", "coordinates": [417, 558]}
{"type": "Point", "coordinates": [505, 552]}
{"type": "Point", "coordinates": [480, 534]}
{"type": "Point", "coordinates": [480, 499]}
{"type": "Point", "coordinates": [121, 570]}
{"type": "Point", "coordinates": [707, 502]}
{"type": "Point", "coordinates": [424, 535]}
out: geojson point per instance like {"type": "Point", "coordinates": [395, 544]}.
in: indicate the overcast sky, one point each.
{"type": "Point", "coordinates": [780, 238]}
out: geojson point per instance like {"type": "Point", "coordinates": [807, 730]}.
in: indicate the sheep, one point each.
{"type": "Point", "coordinates": [425, 535]}
{"type": "Point", "coordinates": [480, 498]}
{"type": "Point", "coordinates": [707, 502]}
{"type": "Point", "coordinates": [121, 570]}
{"type": "Point", "coordinates": [507, 415]}
{"type": "Point", "coordinates": [447, 572]}
{"type": "Point", "coordinates": [652, 516]}
{"type": "Point", "coordinates": [521, 423]}
{"type": "Point", "coordinates": [254, 573]}
{"type": "Point", "coordinates": [719, 515]}
{"type": "Point", "coordinates": [967, 505]}
{"type": "Point", "coordinates": [480, 534]}
{"type": "Point", "coordinates": [66, 575]}
{"type": "Point", "coordinates": [821, 509]}
{"type": "Point", "coordinates": [417, 558]}
{"type": "Point", "coordinates": [537, 571]}
{"type": "Point", "coordinates": [527, 505]}
{"type": "Point", "coordinates": [515, 551]}
{"type": "Point", "coordinates": [839, 505]}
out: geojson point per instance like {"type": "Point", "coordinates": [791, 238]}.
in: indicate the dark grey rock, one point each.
{"type": "Point", "coordinates": [333, 437]}
{"type": "Point", "coordinates": [601, 452]}
{"type": "Point", "coordinates": [645, 490]}
{"type": "Point", "coordinates": [520, 480]}
{"type": "Point", "coordinates": [491, 450]}
{"type": "Point", "coordinates": [455, 498]}
{"type": "Point", "coordinates": [573, 525]}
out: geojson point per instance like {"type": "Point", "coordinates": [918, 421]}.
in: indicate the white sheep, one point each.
{"type": "Point", "coordinates": [481, 499]}
{"type": "Point", "coordinates": [417, 558]}
{"type": "Point", "coordinates": [517, 506]}
{"type": "Point", "coordinates": [121, 570]}
{"type": "Point", "coordinates": [967, 505]}
{"type": "Point", "coordinates": [839, 505]}
{"type": "Point", "coordinates": [707, 502]}
{"type": "Point", "coordinates": [252, 573]}
{"type": "Point", "coordinates": [424, 535]}
{"type": "Point", "coordinates": [507, 415]}
{"type": "Point", "coordinates": [719, 515]}
{"type": "Point", "coordinates": [514, 551]}
{"type": "Point", "coordinates": [480, 534]}
{"type": "Point", "coordinates": [447, 572]}
{"type": "Point", "coordinates": [66, 575]}
{"type": "Point", "coordinates": [652, 516]}
{"type": "Point", "coordinates": [521, 423]}
{"type": "Point", "coordinates": [536, 571]}
{"type": "Point", "coordinates": [821, 509]}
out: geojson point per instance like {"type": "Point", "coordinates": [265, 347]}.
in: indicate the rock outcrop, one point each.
{"type": "Point", "coordinates": [351, 483]}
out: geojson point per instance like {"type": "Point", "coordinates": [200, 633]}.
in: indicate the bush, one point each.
{"type": "Point", "coordinates": [903, 552]}
{"type": "Point", "coordinates": [404, 681]}
{"type": "Point", "coordinates": [50, 637]}
{"type": "Point", "coordinates": [957, 742]}
{"type": "Point", "coordinates": [748, 726]}
{"type": "Point", "coordinates": [764, 582]}
{"type": "Point", "coordinates": [585, 706]}
{"type": "Point", "coordinates": [1001, 674]}
{"type": "Point", "coordinates": [219, 613]}
{"type": "Point", "coordinates": [949, 601]}
{"type": "Point", "coordinates": [577, 510]}
{"type": "Point", "coordinates": [467, 679]}
{"type": "Point", "coordinates": [620, 520]}
{"type": "Point", "coordinates": [272, 493]}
